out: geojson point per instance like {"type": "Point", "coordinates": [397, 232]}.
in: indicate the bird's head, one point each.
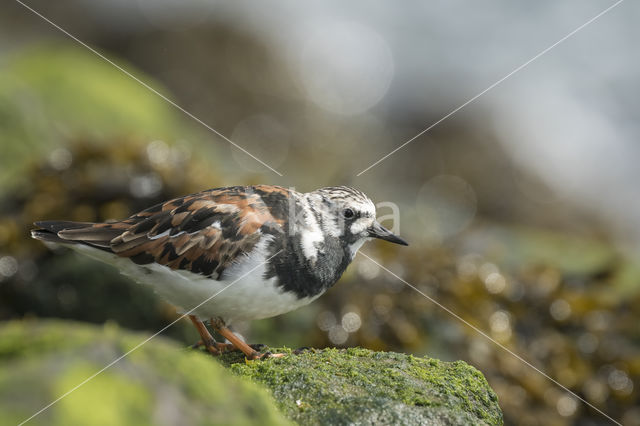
{"type": "Point", "coordinates": [350, 215]}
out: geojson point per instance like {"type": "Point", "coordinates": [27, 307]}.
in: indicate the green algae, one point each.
{"type": "Point", "coordinates": [358, 386]}
{"type": "Point", "coordinates": [122, 401]}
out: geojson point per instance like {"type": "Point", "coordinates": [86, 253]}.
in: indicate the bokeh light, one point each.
{"type": "Point", "coordinates": [345, 66]}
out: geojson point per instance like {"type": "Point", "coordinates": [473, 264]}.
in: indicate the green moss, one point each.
{"type": "Point", "coordinates": [358, 385]}
{"type": "Point", "coordinates": [159, 382]}
{"type": "Point", "coordinates": [122, 401]}
{"type": "Point", "coordinates": [20, 339]}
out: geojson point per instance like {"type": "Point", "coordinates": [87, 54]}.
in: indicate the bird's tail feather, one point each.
{"type": "Point", "coordinates": [66, 232]}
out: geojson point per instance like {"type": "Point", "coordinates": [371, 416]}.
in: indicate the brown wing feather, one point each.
{"type": "Point", "coordinates": [202, 233]}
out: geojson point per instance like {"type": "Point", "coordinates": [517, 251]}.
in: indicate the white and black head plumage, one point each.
{"type": "Point", "coordinates": [349, 215]}
{"type": "Point", "coordinates": [312, 237]}
{"type": "Point", "coordinates": [347, 211]}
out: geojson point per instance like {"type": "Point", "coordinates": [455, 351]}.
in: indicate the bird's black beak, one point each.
{"type": "Point", "coordinates": [379, 231]}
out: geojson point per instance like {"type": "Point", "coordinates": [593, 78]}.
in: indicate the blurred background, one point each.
{"type": "Point", "coordinates": [522, 209]}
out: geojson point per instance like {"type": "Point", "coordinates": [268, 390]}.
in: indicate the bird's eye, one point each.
{"type": "Point", "coordinates": [348, 213]}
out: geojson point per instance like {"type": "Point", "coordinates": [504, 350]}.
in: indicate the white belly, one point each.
{"type": "Point", "coordinates": [242, 295]}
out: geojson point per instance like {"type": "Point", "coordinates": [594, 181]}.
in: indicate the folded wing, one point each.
{"type": "Point", "coordinates": [203, 233]}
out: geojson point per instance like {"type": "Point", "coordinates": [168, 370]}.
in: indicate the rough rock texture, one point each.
{"type": "Point", "coordinates": [159, 383]}
{"type": "Point", "coordinates": [358, 386]}
{"type": "Point", "coordinates": [164, 384]}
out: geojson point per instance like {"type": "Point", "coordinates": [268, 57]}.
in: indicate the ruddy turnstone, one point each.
{"type": "Point", "coordinates": [247, 252]}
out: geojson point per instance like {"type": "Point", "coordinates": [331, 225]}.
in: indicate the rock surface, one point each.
{"type": "Point", "coordinates": [358, 386]}
{"type": "Point", "coordinates": [162, 383]}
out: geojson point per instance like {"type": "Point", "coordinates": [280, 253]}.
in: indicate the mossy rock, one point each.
{"type": "Point", "coordinates": [358, 386]}
{"type": "Point", "coordinates": [157, 383]}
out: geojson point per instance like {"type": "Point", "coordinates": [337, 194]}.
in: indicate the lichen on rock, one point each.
{"type": "Point", "coordinates": [358, 386]}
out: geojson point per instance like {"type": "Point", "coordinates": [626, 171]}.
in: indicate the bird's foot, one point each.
{"type": "Point", "coordinates": [264, 355]}
{"type": "Point", "coordinates": [257, 350]}
{"type": "Point", "coordinates": [225, 347]}
{"type": "Point", "coordinates": [228, 347]}
{"type": "Point", "coordinates": [210, 345]}
{"type": "Point", "coordinates": [251, 352]}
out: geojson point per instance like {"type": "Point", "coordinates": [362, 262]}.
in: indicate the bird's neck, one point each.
{"type": "Point", "coordinates": [311, 260]}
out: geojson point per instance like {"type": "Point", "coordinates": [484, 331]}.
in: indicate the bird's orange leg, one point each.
{"type": "Point", "coordinates": [207, 338]}
{"type": "Point", "coordinates": [219, 326]}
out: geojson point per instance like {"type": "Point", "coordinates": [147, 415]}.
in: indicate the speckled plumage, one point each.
{"type": "Point", "coordinates": [192, 247]}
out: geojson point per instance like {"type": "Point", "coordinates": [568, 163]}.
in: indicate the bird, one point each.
{"type": "Point", "coordinates": [232, 254]}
